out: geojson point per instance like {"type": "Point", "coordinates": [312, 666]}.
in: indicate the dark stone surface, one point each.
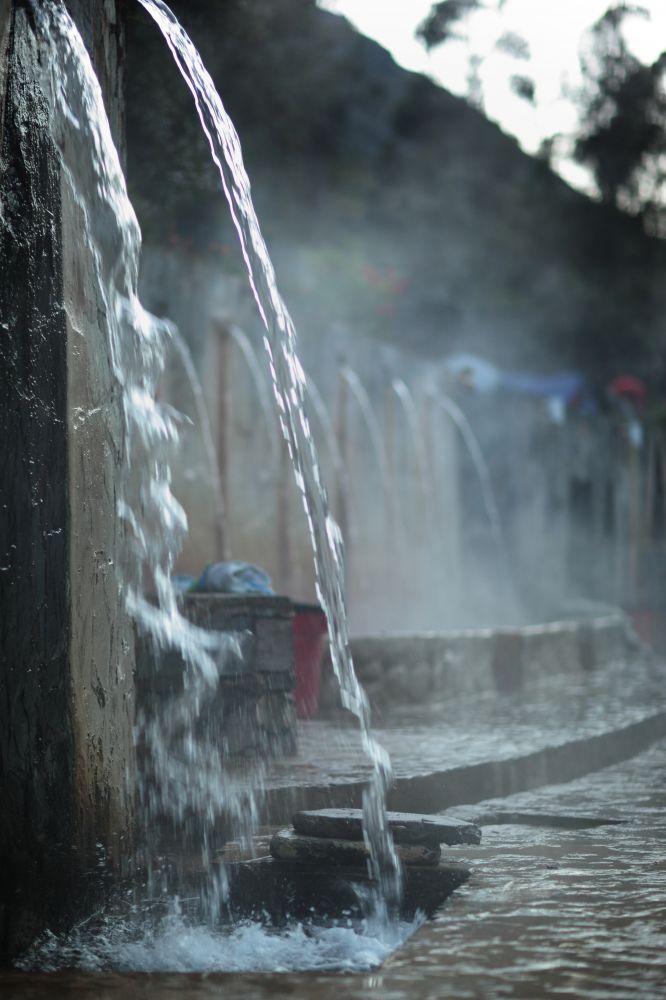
{"type": "Point", "coordinates": [252, 712]}
{"type": "Point", "coordinates": [262, 625]}
{"type": "Point", "coordinates": [407, 828]}
{"type": "Point", "coordinates": [36, 750]}
{"type": "Point", "coordinates": [56, 797]}
{"type": "Point", "coordinates": [287, 845]}
{"type": "Point", "coordinates": [507, 662]}
{"type": "Point", "coordinates": [276, 891]}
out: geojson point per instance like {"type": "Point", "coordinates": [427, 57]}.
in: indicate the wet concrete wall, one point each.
{"type": "Point", "coordinates": [65, 662]}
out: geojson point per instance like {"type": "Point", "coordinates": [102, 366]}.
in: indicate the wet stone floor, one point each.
{"type": "Point", "coordinates": [548, 912]}
{"type": "Point", "coordinates": [422, 739]}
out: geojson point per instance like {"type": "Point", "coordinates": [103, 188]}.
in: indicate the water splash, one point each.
{"type": "Point", "coordinates": [290, 392]}
{"type": "Point", "coordinates": [339, 467]}
{"type": "Point", "coordinates": [174, 944]}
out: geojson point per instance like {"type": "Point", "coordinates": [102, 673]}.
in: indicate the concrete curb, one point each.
{"type": "Point", "coordinates": [472, 783]}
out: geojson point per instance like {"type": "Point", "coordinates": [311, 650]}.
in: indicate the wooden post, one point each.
{"type": "Point", "coordinates": [341, 486]}
{"type": "Point", "coordinates": [433, 555]}
{"type": "Point", "coordinates": [282, 521]}
{"type": "Point", "coordinates": [394, 536]}
{"type": "Point", "coordinates": [222, 430]}
{"type": "Point", "coordinates": [634, 519]}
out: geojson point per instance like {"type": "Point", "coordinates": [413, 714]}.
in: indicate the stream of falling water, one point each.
{"type": "Point", "coordinates": [187, 774]}
{"type": "Point", "coordinates": [290, 391]}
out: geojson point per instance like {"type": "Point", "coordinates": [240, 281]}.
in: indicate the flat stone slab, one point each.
{"type": "Point", "coordinates": [407, 828]}
{"type": "Point", "coordinates": [287, 845]}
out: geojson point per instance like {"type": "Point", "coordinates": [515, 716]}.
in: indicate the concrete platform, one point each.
{"type": "Point", "coordinates": [465, 750]}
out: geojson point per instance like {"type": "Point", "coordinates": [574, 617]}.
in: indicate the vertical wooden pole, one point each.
{"type": "Point", "coordinates": [433, 548]}
{"type": "Point", "coordinates": [392, 546]}
{"type": "Point", "coordinates": [283, 537]}
{"type": "Point", "coordinates": [222, 430]}
{"type": "Point", "coordinates": [649, 489]}
{"type": "Point", "coordinates": [634, 476]}
{"type": "Point", "coordinates": [341, 486]}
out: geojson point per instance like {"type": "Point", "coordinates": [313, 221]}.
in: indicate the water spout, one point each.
{"type": "Point", "coordinates": [360, 394]}
{"type": "Point", "coordinates": [471, 442]}
{"type": "Point", "coordinates": [206, 431]}
{"type": "Point", "coordinates": [256, 373]}
{"type": "Point", "coordinates": [289, 387]}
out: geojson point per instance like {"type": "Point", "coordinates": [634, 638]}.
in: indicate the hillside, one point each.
{"type": "Point", "coordinates": [390, 206]}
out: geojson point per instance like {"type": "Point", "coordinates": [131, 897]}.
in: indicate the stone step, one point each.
{"type": "Point", "coordinates": [407, 828]}
{"type": "Point", "coordinates": [268, 889]}
{"type": "Point", "coordinates": [287, 845]}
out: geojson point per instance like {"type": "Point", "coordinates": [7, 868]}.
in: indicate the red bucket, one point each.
{"type": "Point", "coordinates": [310, 630]}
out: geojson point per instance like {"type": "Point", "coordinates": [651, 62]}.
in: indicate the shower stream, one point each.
{"type": "Point", "coordinates": [289, 385]}
{"type": "Point", "coordinates": [188, 777]}
{"type": "Point", "coordinates": [206, 432]}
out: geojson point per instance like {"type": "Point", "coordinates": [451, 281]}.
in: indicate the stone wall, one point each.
{"type": "Point", "coordinates": [250, 713]}
{"type": "Point", "coordinates": [66, 688]}
{"type": "Point", "coordinates": [411, 669]}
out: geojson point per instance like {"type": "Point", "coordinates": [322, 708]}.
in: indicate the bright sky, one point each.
{"type": "Point", "coordinates": [553, 29]}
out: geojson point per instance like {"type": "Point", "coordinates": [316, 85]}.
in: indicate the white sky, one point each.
{"type": "Point", "coordinates": [553, 29]}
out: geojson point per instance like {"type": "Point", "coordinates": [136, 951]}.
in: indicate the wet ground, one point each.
{"type": "Point", "coordinates": [426, 738]}
{"type": "Point", "coordinates": [547, 913]}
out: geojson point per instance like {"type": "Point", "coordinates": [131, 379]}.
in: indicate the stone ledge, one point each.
{"type": "Point", "coordinates": [439, 790]}
{"type": "Point", "coordinates": [413, 668]}
{"type": "Point", "coordinates": [275, 891]}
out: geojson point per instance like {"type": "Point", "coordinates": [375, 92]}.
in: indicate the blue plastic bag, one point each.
{"type": "Point", "coordinates": [233, 578]}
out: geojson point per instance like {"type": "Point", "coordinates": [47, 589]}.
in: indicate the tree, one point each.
{"type": "Point", "coordinates": [441, 25]}
{"type": "Point", "coordinates": [438, 26]}
{"type": "Point", "coordinates": [622, 136]}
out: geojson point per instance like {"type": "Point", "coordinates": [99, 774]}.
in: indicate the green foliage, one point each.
{"type": "Point", "coordinates": [523, 87]}
{"type": "Point", "coordinates": [513, 45]}
{"type": "Point", "coordinates": [623, 117]}
{"type": "Point", "coordinates": [439, 25]}
{"type": "Point", "coordinates": [389, 206]}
